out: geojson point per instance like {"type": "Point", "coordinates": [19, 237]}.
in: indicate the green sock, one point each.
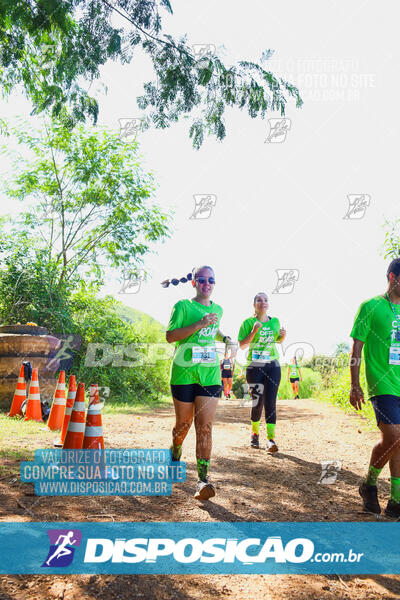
{"type": "Point", "coordinates": [373, 474]}
{"type": "Point", "coordinates": [176, 451]}
{"type": "Point", "coordinates": [395, 489]}
{"type": "Point", "coordinates": [202, 468]}
{"type": "Point", "coordinates": [255, 427]}
{"type": "Point", "coordinates": [271, 431]}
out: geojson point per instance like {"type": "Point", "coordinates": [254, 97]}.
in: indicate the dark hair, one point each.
{"type": "Point", "coordinates": [189, 277]}
{"type": "Point", "coordinates": [394, 267]}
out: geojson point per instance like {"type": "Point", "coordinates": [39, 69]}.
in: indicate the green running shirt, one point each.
{"type": "Point", "coordinates": [294, 371]}
{"type": "Point", "coordinates": [195, 358]}
{"type": "Point", "coordinates": [376, 325]}
{"type": "Point", "coordinates": [263, 348]}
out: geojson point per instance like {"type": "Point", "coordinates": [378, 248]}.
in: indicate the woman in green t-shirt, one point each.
{"type": "Point", "coordinates": [294, 375]}
{"type": "Point", "coordinates": [263, 373]}
{"type": "Point", "coordinates": [195, 370]}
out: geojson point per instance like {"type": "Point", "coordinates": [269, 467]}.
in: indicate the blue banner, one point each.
{"type": "Point", "coordinates": [202, 548]}
{"type": "Point", "coordinates": [110, 472]}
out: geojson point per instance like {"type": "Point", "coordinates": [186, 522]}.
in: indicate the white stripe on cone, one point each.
{"type": "Point", "coordinates": [76, 427]}
{"type": "Point", "coordinates": [79, 406]}
{"type": "Point", "coordinates": [34, 396]}
{"type": "Point", "coordinates": [19, 393]}
{"type": "Point", "coordinates": [59, 401]}
{"type": "Point", "coordinates": [93, 431]}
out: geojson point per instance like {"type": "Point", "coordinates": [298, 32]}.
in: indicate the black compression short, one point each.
{"type": "Point", "coordinates": [188, 393]}
{"type": "Point", "coordinates": [226, 374]}
{"type": "Point", "coordinates": [293, 379]}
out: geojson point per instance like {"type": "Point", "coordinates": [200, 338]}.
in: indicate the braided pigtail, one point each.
{"type": "Point", "coordinates": [167, 282]}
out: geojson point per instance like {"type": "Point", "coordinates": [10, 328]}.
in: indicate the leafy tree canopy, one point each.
{"type": "Point", "coordinates": [52, 47]}
{"type": "Point", "coordinates": [90, 198]}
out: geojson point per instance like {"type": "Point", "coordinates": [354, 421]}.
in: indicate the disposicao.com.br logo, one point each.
{"type": "Point", "coordinates": [247, 551]}
{"type": "Point", "coordinates": [192, 547]}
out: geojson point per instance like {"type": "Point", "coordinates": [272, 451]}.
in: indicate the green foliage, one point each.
{"type": "Point", "coordinates": [207, 85]}
{"type": "Point", "coordinates": [239, 380]}
{"type": "Point", "coordinates": [308, 388]}
{"type": "Point", "coordinates": [338, 392]}
{"type": "Point", "coordinates": [391, 244]}
{"type": "Point", "coordinates": [49, 47]}
{"type": "Point", "coordinates": [342, 348]}
{"type": "Point", "coordinates": [90, 210]}
{"type": "Point", "coordinates": [98, 322]}
{"type": "Point", "coordinates": [326, 366]}
{"type": "Point", "coordinates": [29, 289]}
{"type": "Point", "coordinates": [91, 200]}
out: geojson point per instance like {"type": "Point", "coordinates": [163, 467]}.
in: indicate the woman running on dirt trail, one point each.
{"type": "Point", "coordinates": [263, 374]}
{"type": "Point", "coordinates": [294, 375]}
{"type": "Point", "coordinates": [227, 366]}
{"type": "Point", "coordinates": [195, 370]}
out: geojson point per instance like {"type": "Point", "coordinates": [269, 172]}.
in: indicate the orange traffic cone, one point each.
{"type": "Point", "coordinates": [93, 439]}
{"type": "Point", "coordinates": [19, 395]}
{"type": "Point", "coordinates": [68, 410]}
{"type": "Point", "coordinates": [58, 407]}
{"type": "Point", "coordinates": [33, 406]}
{"type": "Point", "coordinates": [76, 426]}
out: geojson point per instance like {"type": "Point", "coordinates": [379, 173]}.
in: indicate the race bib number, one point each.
{"type": "Point", "coordinates": [394, 355]}
{"type": "Point", "coordinates": [261, 355]}
{"type": "Point", "coordinates": [204, 354]}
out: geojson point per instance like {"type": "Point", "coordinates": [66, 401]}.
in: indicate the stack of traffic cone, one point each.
{"type": "Point", "coordinates": [76, 426]}
{"type": "Point", "coordinates": [19, 395]}
{"type": "Point", "coordinates": [93, 439]}
{"type": "Point", "coordinates": [68, 410]}
{"type": "Point", "coordinates": [33, 406]}
{"type": "Point", "coordinates": [58, 407]}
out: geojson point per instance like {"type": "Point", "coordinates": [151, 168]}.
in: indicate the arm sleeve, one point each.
{"type": "Point", "coordinates": [244, 330]}
{"type": "Point", "coordinates": [362, 322]}
{"type": "Point", "coordinates": [176, 319]}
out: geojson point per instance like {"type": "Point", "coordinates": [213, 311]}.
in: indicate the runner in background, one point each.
{"type": "Point", "coordinates": [263, 373]}
{"type": "Point", "coordinates": [227, 368]}
{"type": "Point", "coordinates": [294, 376]}
{"type": "Point", "coordinates": [376, 330]}
{"type": "Point", "coordinates": [195, 370]}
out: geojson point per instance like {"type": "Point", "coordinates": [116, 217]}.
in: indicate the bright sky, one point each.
{"type": "Point", "coordinates": [279, 206]}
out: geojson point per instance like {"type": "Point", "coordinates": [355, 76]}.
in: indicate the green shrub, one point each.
{"type": "Point", "coordinates": [308, 388]}
{"type": "Point", "coordinates": [98, 322]}
{"type": "Point", "coordinates": [338, 392]}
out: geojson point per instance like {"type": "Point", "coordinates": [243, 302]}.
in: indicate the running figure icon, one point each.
{"type": "Point", "coordinates": [62, 549]}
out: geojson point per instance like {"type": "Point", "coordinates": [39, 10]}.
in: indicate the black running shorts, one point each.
{"type": "Point", "coordinates": [188, 393]}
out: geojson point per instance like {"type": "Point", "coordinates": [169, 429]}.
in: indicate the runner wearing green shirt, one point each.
{"type": "Point", "coordinates": [376, 330]}
{"type": "Point", "coordinates": [294, 375]}
{"type": "Point", "coordinates": [195, 370]}
{"type": "Point", "coordinates": [263, 373]}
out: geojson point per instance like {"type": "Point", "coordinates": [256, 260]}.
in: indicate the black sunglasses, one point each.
{"type": "Point", "coordinates": [168, 282]}
{"type": "Point", "coordinates": [202, 280]}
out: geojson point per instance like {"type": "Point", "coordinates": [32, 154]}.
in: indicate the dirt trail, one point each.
{"type": "Point", "coordinates": [251, 486]}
